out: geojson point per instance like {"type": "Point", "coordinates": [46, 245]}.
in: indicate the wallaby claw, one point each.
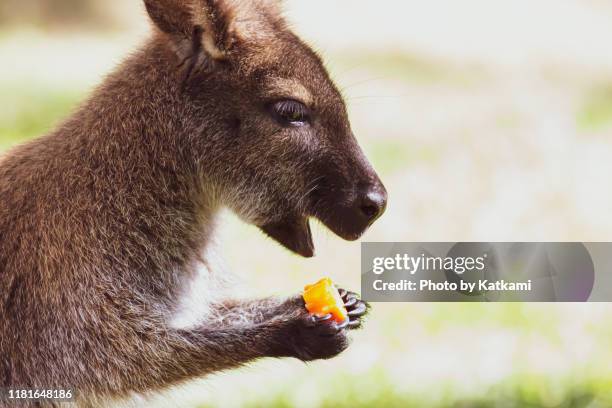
{"type": "Point", "coordinates": [355, 307]}
{"type": "Point", "coordinates": [359, 310]}
{"type": "Point", "coordinates": [354, 324]}
{"type": "Point", "coordinates": [319, 319]}
{"type": "Point", "coordinates": [340, 326]}
{"type": "Point", "coordinates": [331, 327]}
{"type": "Point", "coordinates": [350, 302]}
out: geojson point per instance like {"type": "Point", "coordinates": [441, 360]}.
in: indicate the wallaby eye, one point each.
{"type": "Point", "coordinates": [290, 112]}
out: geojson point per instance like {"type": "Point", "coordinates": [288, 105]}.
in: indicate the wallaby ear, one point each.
{"type": "Point", "coordinates": [173, 17]}
{"type": "Point", "coordinates": [201, 25]}
{"type": "Point", "coordinates": [218, 20]}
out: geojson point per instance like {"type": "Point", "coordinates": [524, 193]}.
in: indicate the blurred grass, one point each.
{"type": "Point", "coordinates": [29, 111]}
{"type": "Point", "coordinates": [596, 112]}
{"type": "Point", "coordinates": [383, 393]}
{"type": "Point", "coordinates": [407, 67]}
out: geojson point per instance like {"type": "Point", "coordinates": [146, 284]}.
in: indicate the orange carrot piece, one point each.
{"type": "Point", "coordinates": [322, 298]}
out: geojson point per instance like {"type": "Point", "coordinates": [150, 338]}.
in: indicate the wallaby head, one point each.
{"type": "Point", "coordinates": [282, 149]}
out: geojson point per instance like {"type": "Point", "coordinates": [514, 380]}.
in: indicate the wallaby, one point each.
{"type": "Point", "coordinates": [107, 223]}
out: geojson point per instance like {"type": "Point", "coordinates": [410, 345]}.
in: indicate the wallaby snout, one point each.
{"type": "Point", "coordinates": [346, 203]}
{"type": "Point", "coordinates": [350, 196]}
{"type": "Point", "coordinates": [370, 203]}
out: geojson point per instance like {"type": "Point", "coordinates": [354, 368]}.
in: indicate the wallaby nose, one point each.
{"type": "Point", "coordinates": [373, 202]}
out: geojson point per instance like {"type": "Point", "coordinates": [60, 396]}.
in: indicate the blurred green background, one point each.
{"type": "Point", "coordinates": [487, 120]}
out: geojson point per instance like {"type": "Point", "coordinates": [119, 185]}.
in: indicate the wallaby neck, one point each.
{"type": "Point", "coordinates": [132, 126]}
{"type": "Point", "coordinates": [127, 141]}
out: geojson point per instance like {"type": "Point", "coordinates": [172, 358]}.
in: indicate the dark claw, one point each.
{"type": "Point", "coordinates": [354, 324]}
{"type": "Point", "coordinates": [319, 319]}
{"type": "Point", "coordinates": [342, 292]}
{"type": "Point", "coordinates": [342, 325]}
{"type": "Point", "coordinates": [351, 295]}
{"type": "Point", "coordinates": [351, 302]}
{"type": "Point", "coordinates": [333, 328]}
{"type": "Point", "coordinates": [359, 310]}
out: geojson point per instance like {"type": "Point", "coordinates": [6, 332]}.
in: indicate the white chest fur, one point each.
{"type": "Point", "coordinates": [207, 281]}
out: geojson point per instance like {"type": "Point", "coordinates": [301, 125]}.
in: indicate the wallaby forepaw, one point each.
{"type": "Point", "coordinates": [310, 337]}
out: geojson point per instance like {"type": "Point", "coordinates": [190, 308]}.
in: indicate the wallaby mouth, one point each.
{"type": "Point", "coordinates": [347, 221]}
{"type": "Point", "coordinates": [348, 213]}
{"type": "Point", "coordinates": [294, 234]}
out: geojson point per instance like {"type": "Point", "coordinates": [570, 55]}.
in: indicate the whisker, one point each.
{"type": "Point", "coordinates": [362, 82]}
{"type": "Point", "coordinates": [362, 97]}
{"type": "Point", "coordinates": [313, 187]}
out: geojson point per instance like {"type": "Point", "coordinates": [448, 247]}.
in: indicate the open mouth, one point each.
{"type": "Point", "coordinates": [347, 218]}
{"type": "Point", "coordinates": [294, 232]}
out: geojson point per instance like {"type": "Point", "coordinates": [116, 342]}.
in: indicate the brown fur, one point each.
{"type": "Point", "coordinates": [105, 221]}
